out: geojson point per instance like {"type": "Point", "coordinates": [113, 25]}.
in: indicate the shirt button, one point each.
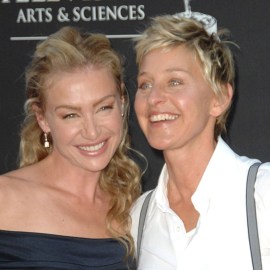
{"type": "Point", "coordinates": [178, 228]}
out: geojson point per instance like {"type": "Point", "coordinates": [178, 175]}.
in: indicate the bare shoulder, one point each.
{"type": "Point", "coordinates": [16, 197]}
{"type": "Point", "coordinates": [9, 179]}
{"type": "Point", "coordinates": [15, 186]}
{"type": "Point", "coordinates": [11, 184]}
{"type": "Point", "coordinates": [15, 178]}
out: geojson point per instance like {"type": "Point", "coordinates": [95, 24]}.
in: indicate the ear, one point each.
{"type": "Point", "coordinates": [42, 122]}
{"type": "Point", "coordinates": [222, 102]}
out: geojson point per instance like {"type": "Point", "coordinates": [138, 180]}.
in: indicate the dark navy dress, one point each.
{"type": "Point", "coordinates": [38, 251]}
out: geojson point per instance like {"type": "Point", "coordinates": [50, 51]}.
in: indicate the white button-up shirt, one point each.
{"type": "Point", "coordinates": [220, 240]}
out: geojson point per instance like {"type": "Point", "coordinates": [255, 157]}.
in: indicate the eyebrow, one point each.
{"type": "Point", "coordinates": [77, 108]}
{"type": "Point", "coordinates": [176, 70]}
{"type": "Point", "coordinates": [103, 99]}
{"type": "Point", "coordinates": [166, 70]}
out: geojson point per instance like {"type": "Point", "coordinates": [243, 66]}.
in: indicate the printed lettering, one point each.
{"type": "Point", "coordinates": [120, 15]}
{"type": "Point", "coordinates": [132, 12]}
{"type": "Point", "coordinates": [31, 15]}
{"type": "Point", "coordinates": [83, 15]}
{"type": "Point", "coordinates": [76, 14]}
{"type": "Point", "coordinates": [101, 13]}
{"type": "Point", "coordinates": [141, 13]}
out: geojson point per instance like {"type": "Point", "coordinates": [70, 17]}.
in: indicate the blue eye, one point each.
{"type": "Point", "coordinates": [145, 86]}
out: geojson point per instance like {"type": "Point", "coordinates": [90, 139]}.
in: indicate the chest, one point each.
{"type": "Point", "coordinates": [220, 234]}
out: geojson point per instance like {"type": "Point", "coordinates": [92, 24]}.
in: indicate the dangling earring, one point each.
{"type": "Point", "coordinates": [46, 142]}
{"type": "Point", "coordinates": [122, 110]}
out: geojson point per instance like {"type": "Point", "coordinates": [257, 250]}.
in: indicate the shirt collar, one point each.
{"type": "Point", "coordinates": [216, 169]}
{"type": "Point", "coordinates": [161, 190]}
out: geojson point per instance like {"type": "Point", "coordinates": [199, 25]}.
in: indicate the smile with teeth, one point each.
{"type": "Point", "coordinates": [163, 117]}
{"type": "Point", "coordinates": [92, 148]}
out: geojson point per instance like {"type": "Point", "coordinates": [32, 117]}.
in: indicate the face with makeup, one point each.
{"type": "Point", "coordinates": [175, 105]}
{"type": "Point", "coordinates": [83, 115]}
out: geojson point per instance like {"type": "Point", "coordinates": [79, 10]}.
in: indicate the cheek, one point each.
{"type": "Point", "coordinates": [139, 105]}
{"type": "Point", "coordinates": [113, 123]}
{"type": "Point", "coordinates": [62, 134]}
{"type": "Point", "coordinates": [119, 125]}
{"type": "Point", "coordinates": [116, 128]}
{"type": "Point", "coordinates": [188, 101]}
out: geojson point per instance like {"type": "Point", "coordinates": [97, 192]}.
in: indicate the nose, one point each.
{"type": "Point", "coordinates": [91, 128]}
{"type": "Point", "coordinates": [156, 95]}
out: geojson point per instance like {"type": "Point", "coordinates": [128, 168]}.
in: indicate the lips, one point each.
{"type": "Point", "coordinates": [92, 148]}
{"type": "Point", "coordinates": [163, 117]}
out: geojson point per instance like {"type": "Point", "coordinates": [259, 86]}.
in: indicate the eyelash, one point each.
{"type": "Point", "coordinates": [145, 85]}
{"type": "Point", "coordinates": [175, 82]}
{"type": "Point", "coordinates": [73, 115]}
{"type": "Point", "coordinates": [69, 116]}
{"type": "Point", "coordinates": [107, 107]}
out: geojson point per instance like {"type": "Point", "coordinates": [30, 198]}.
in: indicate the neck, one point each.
{"type": "Point", "coordinates": [186, 167]}
{"type": "Point", "coordinates": [70, 179]}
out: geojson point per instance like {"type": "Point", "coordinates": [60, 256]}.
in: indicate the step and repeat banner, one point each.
{"type": "Point", "coordinates": [23, 23]}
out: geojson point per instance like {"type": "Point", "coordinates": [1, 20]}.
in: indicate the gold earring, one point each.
{"type": "Point", "coordinates": [46, 142]}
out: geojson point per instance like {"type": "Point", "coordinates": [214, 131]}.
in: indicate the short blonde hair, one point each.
{"type": "Point", "coordinates": [216, 58]}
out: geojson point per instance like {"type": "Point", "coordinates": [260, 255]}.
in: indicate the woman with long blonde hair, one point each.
{"type": "Point", "coordinates": [68, 205]}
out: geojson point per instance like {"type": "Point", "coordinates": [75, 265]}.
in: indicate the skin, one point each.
{"type": "Point", "coordinates": [177, 109]}
{"type": "Point", "coordinates": [60, 194]}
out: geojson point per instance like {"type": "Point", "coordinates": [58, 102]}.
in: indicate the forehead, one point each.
{"type": "Point", "coordinates": [168, 59]}
{"type": "Point", "coordinates": [80, 85]}
{"type": "Point", "coordinates": [56, 75]}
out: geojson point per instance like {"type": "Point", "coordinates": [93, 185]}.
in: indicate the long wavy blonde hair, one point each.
{"type": "Point", "coordinates": [67, 50]}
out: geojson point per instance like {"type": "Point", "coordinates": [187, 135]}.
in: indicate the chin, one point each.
{"type": "Point", "coordinates": [158, 146]}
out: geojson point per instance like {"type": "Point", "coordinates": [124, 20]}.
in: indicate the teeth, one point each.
{"type": "Point", "coordinates": [163, 117]}
{"type": "Point", "coordinates": [92, 148]}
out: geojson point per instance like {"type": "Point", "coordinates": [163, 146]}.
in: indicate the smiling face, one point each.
{"type": "Point", "coordinates": [83, 115]}
{"type": "Point", "coordinates": [175, 105]}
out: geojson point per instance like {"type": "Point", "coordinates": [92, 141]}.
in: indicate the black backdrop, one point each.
{"type": "Point", "coordinates": [24, 22]}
